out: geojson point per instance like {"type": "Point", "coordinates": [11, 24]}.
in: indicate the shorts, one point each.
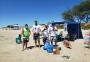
{"type": "Point", "coordinates": [44, 39]}
{"type": "Point", "coordinates": [26, 39]}
{"type": "Point", "coordinates": [53, 38]}
{"type": "Point", "coordinates": [36, 36]}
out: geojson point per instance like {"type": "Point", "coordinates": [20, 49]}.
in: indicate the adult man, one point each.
{"type": "Point", "coordinates": [36, 33]}
{"type": "Point", "coordinates": [26, 33]}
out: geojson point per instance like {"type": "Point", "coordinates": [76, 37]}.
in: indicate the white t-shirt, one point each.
{"type": "Point", "coordinates": [65, 33]}
{"type": "Point", "coordinates": [52, 31]}
{"type": "Point", "coordinates": [36, 29]}
{"type": "Point", "coordinates": [45, 33]}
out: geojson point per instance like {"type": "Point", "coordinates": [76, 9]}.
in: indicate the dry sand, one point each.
{"type": "Point", "coordinates": [12, 52]}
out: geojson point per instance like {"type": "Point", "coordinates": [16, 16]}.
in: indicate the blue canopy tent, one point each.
{"type": "Point", "coordinates": [73, 28]}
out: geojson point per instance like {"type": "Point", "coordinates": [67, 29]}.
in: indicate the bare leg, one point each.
{"type": "Point", "coordinates": [55, 43]}
{"type": "Point", "coordinates": [23, 45]}
{"type": "Point", "coordinates": [26, 44]}
{"type": "Point", "coordinates": [35, 43]}
{"type": "Point", "coordinates": [39, 42]}
{"type": "Point", "coordinates": [52, 41]}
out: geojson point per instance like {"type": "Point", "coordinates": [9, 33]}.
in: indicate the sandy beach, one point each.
{"type": "Point", "coordinates": [12, 52]}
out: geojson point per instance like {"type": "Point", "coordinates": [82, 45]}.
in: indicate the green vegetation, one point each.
{"type": "Point", "coordinates": [80, 12]}
{"type": "Point", "coordinates": [83, 26]}
{"type": "Point", "coordinates": [86, 27]}
{"type": "Point", "coordinates": [60, 26]}
{"type": "Point", "coordinates": [10, 26]}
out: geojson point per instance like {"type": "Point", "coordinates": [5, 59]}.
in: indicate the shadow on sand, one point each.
{"type": "Point", "coordinates": [31, 47]}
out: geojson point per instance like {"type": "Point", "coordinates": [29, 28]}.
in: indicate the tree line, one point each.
{"type": "Point", "coordinates": [79, 13]}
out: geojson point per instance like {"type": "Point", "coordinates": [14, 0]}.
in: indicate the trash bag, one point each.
{"type": "Point", "coordinates": [18, 39]}
{"type": "Point", "coordinates": [50, 48]}
{"type": "Point", "coordinates": [46, 45]}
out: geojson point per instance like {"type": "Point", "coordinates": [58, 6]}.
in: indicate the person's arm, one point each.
{"type": "Point", "coordinates": [39, 28]}
{"type": "Point", "coordinates": [56, 28]}
{"type": "Point", "coordinates": [29, 31]}
{"type": "Point", "coordinates": [32, 29]}
{"type": "Point", "coordinates": [43, 30]}
{"type": "Point", "coordinates": [48, 30]}
{"type": "Point", "coordinates": [49, 33]}
{"type": "Point", "coordinates": [22, 31]}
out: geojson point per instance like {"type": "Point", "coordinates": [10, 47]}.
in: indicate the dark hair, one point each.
{"type": "Point", "coordinates": [35, 22]}
{"type": "Point", "coordinates": [26, 24]}
{"type": "Point", "coordinates": [46, 26]}
{"type": "Point", "coordinates": [53, 24]}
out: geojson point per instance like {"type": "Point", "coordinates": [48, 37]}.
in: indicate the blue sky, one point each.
{"type": "Point", "coordinates": [26, 11]}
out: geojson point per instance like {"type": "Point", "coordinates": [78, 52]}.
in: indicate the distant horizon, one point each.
{"type": "Point", "coordinates": [26, 11]}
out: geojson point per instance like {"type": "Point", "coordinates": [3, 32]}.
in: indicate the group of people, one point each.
{"type": "Point", "coordinates": [48, 33]}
